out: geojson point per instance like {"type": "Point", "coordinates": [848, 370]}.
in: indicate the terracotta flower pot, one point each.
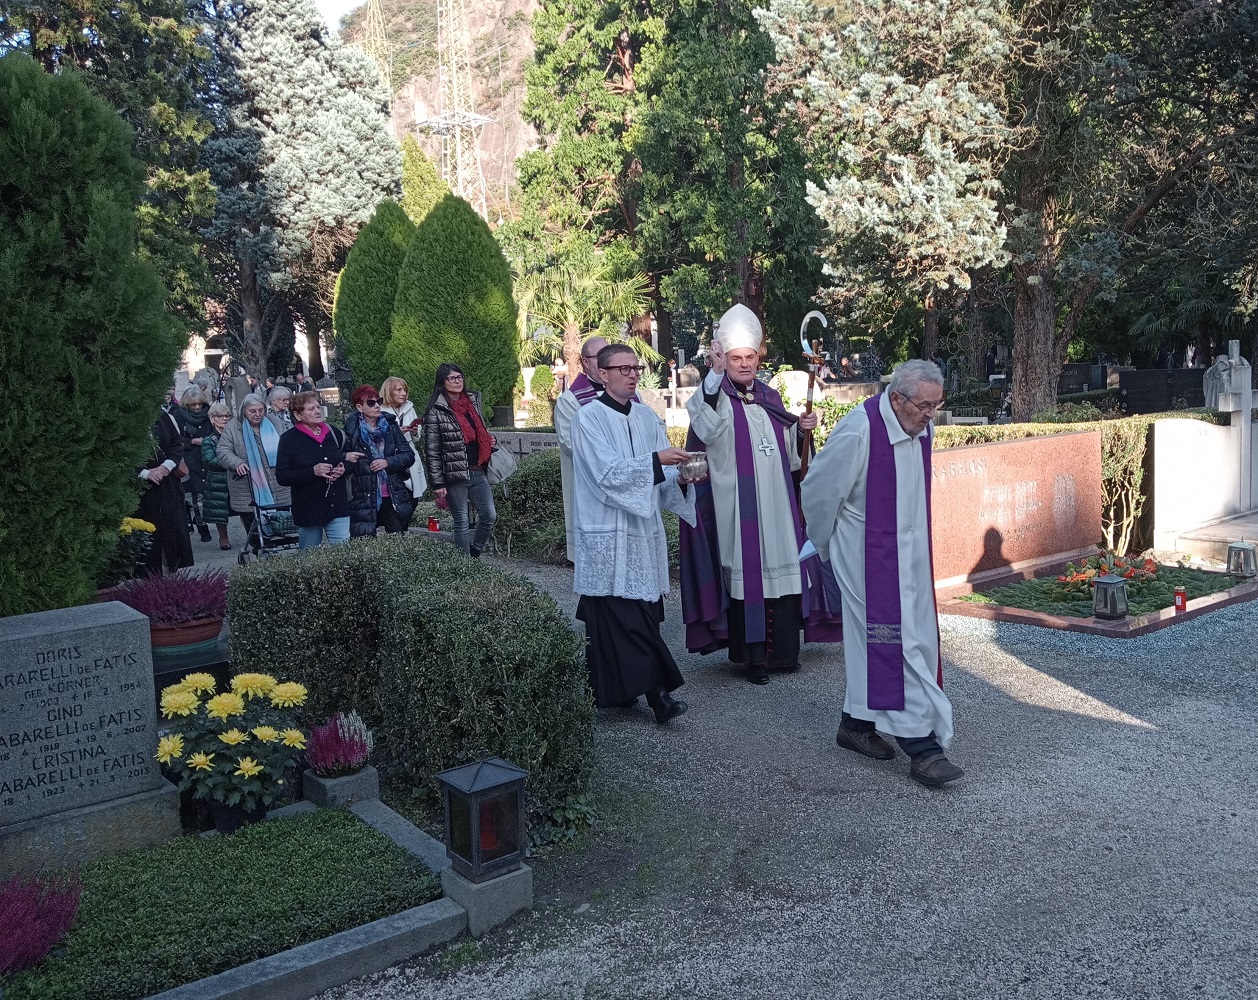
{"type": "Point", "coordinates": [107, 594]}
{"type": "Point", "coordinates": [186, 633]}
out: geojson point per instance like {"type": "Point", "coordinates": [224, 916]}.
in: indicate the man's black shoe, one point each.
{"type": "Point", "coordinates": [865, 742]}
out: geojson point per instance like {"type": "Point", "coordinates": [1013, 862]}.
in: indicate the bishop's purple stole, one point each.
{"type": "Point", "coordinates": [884, 640]}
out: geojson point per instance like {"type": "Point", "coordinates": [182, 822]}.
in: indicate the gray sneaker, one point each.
{"type": "Point", "coordinates": [934, 771]}
{"type": "Point", "coordinates": [865, 742]}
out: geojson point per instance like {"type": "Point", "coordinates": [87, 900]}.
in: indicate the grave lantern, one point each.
{"type": "Point", "coordinates": [1109, 597]}
{"type": "Point", "coordinates": [1242, 559]}
{"type": "Point", "coordinates": [484, 814]}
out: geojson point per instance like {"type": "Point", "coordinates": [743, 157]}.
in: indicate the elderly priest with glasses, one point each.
{"type": "Point", "coordinates": [624, 474]}
{"type": "Point", "coordinates": [866, 500]}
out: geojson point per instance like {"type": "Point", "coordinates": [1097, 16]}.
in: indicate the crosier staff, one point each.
{"type": "Point", "coordinates": [814, 361]}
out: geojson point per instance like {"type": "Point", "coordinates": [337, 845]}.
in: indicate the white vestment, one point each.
{"type": "Point", "coordinates": [567, 406]}
{"type": "Point", "coordinates": [779, 546]}
{"type": "Point", "coordinates": [621, 549]}
{"type": "Point", "coordinates": [833, 501]}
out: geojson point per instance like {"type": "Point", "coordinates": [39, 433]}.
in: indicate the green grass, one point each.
{"type": "Point", "coordinates": [157, 918]}
{"type": "Point", "coordinates": [1143, 596]}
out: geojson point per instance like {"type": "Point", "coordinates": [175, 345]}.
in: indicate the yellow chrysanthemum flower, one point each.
{"type": "Point", "coordinates": [233, 737]}
{"type": "Point", "coordinates": [179, 701]}
{"type": "Point", "coordinates": [199, 683]}
{"type": "Point", "coordinates": [248, 767]}
{"type": "Point", "coordinates": [294, 738]}
{"type": "Point", "coordinates": [288, 694]}
{"type": "Point", "coordinates": [201, 761]}
{"type": "Point", "coordinates": [253, 685]}
{"type": "Point", "coordinates": [130, 524]}
{"type": "Point", "coordinates": [169, 748]}
{"type": "Point", "coordinates": [266, 733]}
{"type": "Point", "coordinates": [224, 705]}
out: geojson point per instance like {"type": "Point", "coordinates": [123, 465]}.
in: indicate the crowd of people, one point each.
{"type": "Point", "coordinates": [768, 558]}
{"type": "Point", "coordinates": [279, 467]}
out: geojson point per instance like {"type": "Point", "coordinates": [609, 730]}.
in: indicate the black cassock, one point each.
{"type": "Point", "coordinates": [163, 503]}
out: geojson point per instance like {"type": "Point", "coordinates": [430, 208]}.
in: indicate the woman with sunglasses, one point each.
{"type": "Point", "coordinates": [380, 493]}
{"type": "Point", "coordinates": [457, 447]}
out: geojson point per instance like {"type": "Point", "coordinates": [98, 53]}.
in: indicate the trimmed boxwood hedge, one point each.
{"type": "Point", "coordinates": [447, 658]}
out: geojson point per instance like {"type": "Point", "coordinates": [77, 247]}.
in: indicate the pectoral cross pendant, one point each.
{"type": "Point", "coordinates": [764, 446]}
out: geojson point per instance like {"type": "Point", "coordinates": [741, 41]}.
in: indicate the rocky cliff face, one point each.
{"type": "Point", "coordinates": [500, 46]}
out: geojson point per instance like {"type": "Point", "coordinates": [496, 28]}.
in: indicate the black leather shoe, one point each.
{"type": "Point", "coordinates": [865, 742]}
{"type": "Point", "coordinates": [665, 706]}
{"type": "Point", "coordinates": [934, 771]}
{"type": "Point", "coordinates": [757, 675]}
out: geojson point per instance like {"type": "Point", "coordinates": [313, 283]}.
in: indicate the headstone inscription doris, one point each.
{"type": "Point", "coordinates": [78, 777]}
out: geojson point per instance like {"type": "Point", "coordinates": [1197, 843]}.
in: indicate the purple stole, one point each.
{"type": "Point", "coordinates": [586, 391]}
{"type": "Point", "coordinates": [704, 596]}
{"type": "Point", "coordinates": [883, 623]}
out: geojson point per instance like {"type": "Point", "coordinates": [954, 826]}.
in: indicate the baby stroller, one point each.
{"type": "Point", "coordinates": [272, 530]}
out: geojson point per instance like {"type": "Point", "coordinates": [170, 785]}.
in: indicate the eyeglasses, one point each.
{"type": "Point", "coordinates": [928, 409]}
{"type": "Point", "coordinates": [371, 402]}
{"type": "Point", "coordinates": [588, 357]}
{"type": "Point", "coordinates": [626, 370]}
{"type": "Point", "coordinates": [454, 378]}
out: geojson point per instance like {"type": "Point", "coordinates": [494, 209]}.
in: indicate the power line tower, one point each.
{"type": "Point", "coordinates": [456, 121]}
{"type": "Point", "coordinates": [376, 43]}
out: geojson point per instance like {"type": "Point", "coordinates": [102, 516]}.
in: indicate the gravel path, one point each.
{"type": "Point", "coordinates": [1102, 844]}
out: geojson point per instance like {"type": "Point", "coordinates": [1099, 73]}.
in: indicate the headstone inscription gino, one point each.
{"type": "Point", "coordinates": [78, 731]}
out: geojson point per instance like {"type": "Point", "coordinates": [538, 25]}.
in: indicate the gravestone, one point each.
{"type": "Point", "coordinates": [652, 398]}
{"type": "Point", "coordinates": [78, 733]}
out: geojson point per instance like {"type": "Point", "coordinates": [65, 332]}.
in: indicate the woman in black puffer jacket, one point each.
{"type": "Point", "coordinates": [457, 447]}
{"type": "Point", "coordinates": [380, 492]}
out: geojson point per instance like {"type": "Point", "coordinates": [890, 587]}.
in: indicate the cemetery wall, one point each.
{"type": "Point", "coordinates": [1010, 507]}
{"type": "Point", "coordinates": [1196, 476]}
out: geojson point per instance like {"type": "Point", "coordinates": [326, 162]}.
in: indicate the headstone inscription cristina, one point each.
{"type": "Point", "coordinates": [78, 778]}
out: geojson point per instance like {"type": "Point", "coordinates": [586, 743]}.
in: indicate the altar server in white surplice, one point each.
{"type": "Point", "coordinates": [584, 390]}
{"type": "Point", "coordinates": [624, 474]}
{"type": "Point", "coordinates": [866, 501]}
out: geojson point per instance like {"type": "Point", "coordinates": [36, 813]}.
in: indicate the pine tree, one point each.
{"type": "Point", "coordinates": [454, 303]}
{"type": "Point", "coordinates": [86, 343]}
{"type": "Point", "coordinates": [368, 287]}
{"type": "Point", "coordinates": [301, 156]}
{"type": "Point", "coordinates": [422, 187]}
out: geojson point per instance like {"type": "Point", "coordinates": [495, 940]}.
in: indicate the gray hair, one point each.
{"type": "Point", "coordinates": [911, 374]}
{"type": "Point", "coordinates": [279, 392]}
{"type": "Point", "coordinates": [220, 409]}
{"type": "Point", "coordinates": [193, 394]}
{"type": "Point", "coordinates": [253, 399]}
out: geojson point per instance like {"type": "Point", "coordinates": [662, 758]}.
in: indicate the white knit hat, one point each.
{"type": "Point", "coordinates": [739, 328]}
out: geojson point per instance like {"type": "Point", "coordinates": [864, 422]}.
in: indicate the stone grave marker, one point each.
{"type": "Point", "coordinates": [78, 733]}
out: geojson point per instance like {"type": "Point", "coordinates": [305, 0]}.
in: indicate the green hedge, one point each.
{"type": "Point", "coordinates": [449, 659]}
{"type": "Point", "coordinates": [530, 510]}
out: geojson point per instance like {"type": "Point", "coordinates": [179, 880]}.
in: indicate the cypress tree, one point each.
{"type": "Point", "coordinates": [454, 303]}
{"type": "Point", "coordinates": [86, 344]}
{"type": "Point", "coordinates": [422, 187]}
{"type": "Point", "coordinates": [367, 289]}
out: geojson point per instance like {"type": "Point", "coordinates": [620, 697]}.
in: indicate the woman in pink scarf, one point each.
{"type": "Point", "coordinates": [311, 462]}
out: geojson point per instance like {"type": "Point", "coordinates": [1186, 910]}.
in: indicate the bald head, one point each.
{"type": "Point", "coordinates": [589, 356]}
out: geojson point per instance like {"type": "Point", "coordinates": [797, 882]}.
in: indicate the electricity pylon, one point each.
{"type": "Point", "coordinates": [376, 43]}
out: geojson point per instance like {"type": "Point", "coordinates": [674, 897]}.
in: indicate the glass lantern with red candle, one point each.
{"type": "Point", "coordinates": [484, 818]}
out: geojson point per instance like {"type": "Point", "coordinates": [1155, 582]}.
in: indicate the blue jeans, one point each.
{"type": "Point", "coordinates": [481, 494]}
{"type": "Point", "coordinates": [311, 538]}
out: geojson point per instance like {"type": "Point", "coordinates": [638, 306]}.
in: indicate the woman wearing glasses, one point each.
{"type": "Point", "coordinates": [380, 494]}
{"type": "Point", "coordinates": [457, 447]}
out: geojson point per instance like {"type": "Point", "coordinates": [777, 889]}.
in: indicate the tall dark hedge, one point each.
{"type": "Point", "coordinates": [86, 347]}
{"type": "Point", "coordinates": [448, 659]}
{"type": "Point", "coordinates": [454, 303]}
{"type": "Point", "coordinates": [368, 286]}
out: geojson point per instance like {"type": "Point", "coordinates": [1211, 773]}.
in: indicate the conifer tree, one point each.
{"type": "Point", "coordinates": [86, 344]}
{"type": "Point", "coordinates": [368, 287]}
{"type": "Point", "coordinates": [454, 303]}
{"type": "Point", "coordinates": [422, 186]}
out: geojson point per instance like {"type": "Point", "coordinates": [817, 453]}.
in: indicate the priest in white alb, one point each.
{"type": "Point", "coordinates": [624, 474]}
{"type": "Point", "coordinates": [743, 585]}
{"type": "Point", "coordinates": [866, 499]}
{"type": "Point", "coordinates": [585, 388]}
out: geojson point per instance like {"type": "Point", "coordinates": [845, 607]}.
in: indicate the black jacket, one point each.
{"type": "Point", "coordinates": [314, 502]}
{"type": "Point", "coordinates": [445, 452]}
{"type": "Point", "coordinates": [362, 499]}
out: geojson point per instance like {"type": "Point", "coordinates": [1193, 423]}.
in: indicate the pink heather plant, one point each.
{"type": "Point", "coordinates": [175, 598]}
{"type": "Point", "coordinates": [340, 746]}
{"type": "Point", "coordinates": [34, 915]}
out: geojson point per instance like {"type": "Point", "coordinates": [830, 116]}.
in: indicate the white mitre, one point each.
{"type": "Point", "coordinates": [739, 328]}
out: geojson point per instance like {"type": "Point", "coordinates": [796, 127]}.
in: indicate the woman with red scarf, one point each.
{"type": "Point", "coordinates": [456, 450]}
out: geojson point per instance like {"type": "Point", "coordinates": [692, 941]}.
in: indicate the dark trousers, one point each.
{"type": "Point", "coordinates": [914, 746]}
{"type": "Point", "coordinates": [388, 519]}
{"type": "Point", "coordinates": [782, 623]}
